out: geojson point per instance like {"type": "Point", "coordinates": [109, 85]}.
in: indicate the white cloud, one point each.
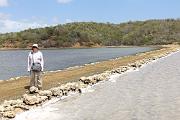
{"type": "Point", "coordinates": [69, 21]}
{"type": "Point", "coordinates": [64, 1]}
{"type": "Point", "coordinates": [8, 25]}
{"type": "Point", "coordinates": [72, 21]}
{"type": "Point", "coordinates": [3, 3]}
{"type": "Point", "coordinates": [13, 26]}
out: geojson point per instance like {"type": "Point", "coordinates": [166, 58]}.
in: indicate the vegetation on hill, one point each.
{"type": "Point", "coordinates": [151, 32]}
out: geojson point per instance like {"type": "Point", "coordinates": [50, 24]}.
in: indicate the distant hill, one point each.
{"type": "Point", "coordinates": [77, 34]}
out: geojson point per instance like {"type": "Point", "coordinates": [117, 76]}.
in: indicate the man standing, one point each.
{"type": "Point", "coordinates": [35, 66]}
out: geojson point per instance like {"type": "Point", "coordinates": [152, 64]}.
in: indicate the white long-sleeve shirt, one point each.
{"type": "Point", "coordinates": [36, 57]}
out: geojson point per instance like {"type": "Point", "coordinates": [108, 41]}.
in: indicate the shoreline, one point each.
{"type": "Point", "coordinates": [58, 78]}
{"type": "Point", "coordinates": [81, 47]}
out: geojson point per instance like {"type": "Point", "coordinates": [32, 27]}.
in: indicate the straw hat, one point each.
{"type": "Point", "coordinates": [35, 45]}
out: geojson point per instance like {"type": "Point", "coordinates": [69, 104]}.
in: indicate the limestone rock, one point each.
{"type": "Point", "coordinates": [70, 86]}
{"type": "Point", "coordinates": [102, 76]}
{"type": "Point", "coordinates": [18, 110]}
{"type": "Point", "coordinates": [12, 102]}
{"type": "Point", "coordinates": [9, 114]}
{"type": "Point", "coordinates": [81, 85]}
{"type": "Point", "coordinates": [118, 70]}
{"type": "Point", "coordinates": [56, 91]}
{"type": "Point", "coordinates": [82, 78]}
{"type": "Point", "coordinates": [132, 65]}
{"type": "Point", "coordinates": [33, 89]}
{"type": "Point", "coordinates": [2, 108]}
{"type": "Point", "coordinates": [45, 93]}
{"type": "Point", "coordinates": [42, 99]}
{"type": "Point", "coordinates": [95, 78]}
{"type": "Point", "coordinates": [1, 115]}
{"type": "Point", "coordinates": [8, 108]}
{"type": "Point", "coordinates": [22, 106]}
{"type": "Point", "coordinates": [91, 80]}
{"type": "Point", "coordinates": [30, 100]}
{"type": "Point", "coordinates": [124, 68]}
{"type": "Point", "coordinates": [85, 80]}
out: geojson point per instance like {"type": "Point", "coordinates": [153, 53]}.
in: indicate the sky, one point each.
{"type": "Point", "coordinates": [17, 15]}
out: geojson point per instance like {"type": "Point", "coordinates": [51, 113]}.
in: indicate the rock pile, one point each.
{"type": "Point", "coordinates": [11, 107]}
{"type": "Point", "coordinates": [95, 78]}
{"type": "Point", "coordinates": [38, 97]}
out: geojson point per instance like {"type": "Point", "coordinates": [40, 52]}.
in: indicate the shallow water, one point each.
{"type": "Point", "coordinates": [150, 93]}
{"type": "Point", "coordinates": [14, 63]}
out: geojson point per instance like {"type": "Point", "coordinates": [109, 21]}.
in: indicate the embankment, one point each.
{"type": "Point", "coordinates": [16, 88]}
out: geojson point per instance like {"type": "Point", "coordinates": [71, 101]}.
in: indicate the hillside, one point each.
{"type": "Point", "coordinates": [151, 32]}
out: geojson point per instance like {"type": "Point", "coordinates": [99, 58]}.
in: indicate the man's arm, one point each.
{"type": "Point", "coordinates": [29, 63]}
{"type": "Point", "coordinates": [42, 62]}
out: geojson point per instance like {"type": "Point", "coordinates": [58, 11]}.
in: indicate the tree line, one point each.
{"type": "Point", "coordinates": [88, 34]}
